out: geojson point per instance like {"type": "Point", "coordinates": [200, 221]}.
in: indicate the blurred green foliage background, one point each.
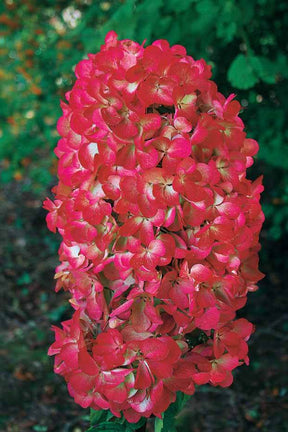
{"type": "Point", "coordinates": [246, 43]}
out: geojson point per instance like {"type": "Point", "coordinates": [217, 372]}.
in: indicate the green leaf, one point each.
{"type": "Point", "coordinates": [108, 426]}
{"type": "Point", "coordinates": [148, 15]}
{"type": "Point", "coordinates": [98, 416]}
{"type": "Point", "coordinates": [244, 71]}
{"type": "Point", "coordinates": [135, 426]}
{"type": "Point", "coordinates": [158, 424]}
{"type": "Point", "coordinates": [271, 69]}
{"type": "Point", "coordinates": [24, 279]}
{"type": "Point", "coordinates": [105, 420]}
{"type": "Point", "coordinates": [226, 30]}
{"type": "Point", "coordinates": [268, 70]}
{"type": "Point", "coordinates": [178, 7]}
{"type": "Point", "coordinates": [40, 428]}
{"type": "Point", "coordinates": [122, 21]}
{"type": "Point", "coordinates": [168, 421]}
{"type": "Point", "coordinates": [56, 314]}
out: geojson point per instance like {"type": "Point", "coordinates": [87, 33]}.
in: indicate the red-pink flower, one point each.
{"type": "Point", "coordinates": [160, 229]}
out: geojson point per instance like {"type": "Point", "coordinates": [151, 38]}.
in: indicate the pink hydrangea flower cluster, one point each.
{"type": "Point", "coordinates": [160, 229]}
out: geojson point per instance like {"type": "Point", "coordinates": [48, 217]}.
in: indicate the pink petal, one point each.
{"type": "Point", "coordinates": [144, 378]}
{"type": "Point", "coordinates": [182, 124]}
{"type": "Point", "coordinates": [81, 382]}
{"type": "Point", "coordinates": [123, 308]}
{"type": "Point", "coordinates": [117, 394]}
{"type": "Point", "coordinates": [69, 354]}
{"type": "Point", "coordinates": [209, 320]}
{"type": "Point", "coordinates": [243, 327]}
{"type": "Point", "coordinates": [87, 364]}
{"type": "Point", "coordinates": [200, 273]}
{"type": "Point", "coordinates": [156, 247]}
{"type": "Point", "coordinates": [201, 378]}
{"type": "Point", "coordinates": [154, 349]}
{"type": "Point", "coordinates": [131, 226]}
{"type": "Point", "coordinates": [228, 362]}
{"type": "Point", "coordinates": [179, 148]}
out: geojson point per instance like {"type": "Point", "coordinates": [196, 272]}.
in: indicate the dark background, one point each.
{"type": "Point", "coordinates": [40, 43]}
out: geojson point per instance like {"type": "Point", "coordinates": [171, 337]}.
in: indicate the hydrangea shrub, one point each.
{"type": "Point", "coordinates": [160, 229]}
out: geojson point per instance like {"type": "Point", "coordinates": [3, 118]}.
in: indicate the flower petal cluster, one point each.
{"type": "Point", "coordinates": [160, 229]}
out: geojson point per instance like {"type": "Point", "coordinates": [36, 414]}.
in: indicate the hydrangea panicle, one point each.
{"type": "Point", "coordinates": [160, 229]}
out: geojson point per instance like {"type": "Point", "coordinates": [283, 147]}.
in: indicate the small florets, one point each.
{"type": "Point", "coordinates": [160, 229]}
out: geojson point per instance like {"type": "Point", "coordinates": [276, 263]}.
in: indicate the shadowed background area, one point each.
{"type": "Point", "coordinates": [40, 43]}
